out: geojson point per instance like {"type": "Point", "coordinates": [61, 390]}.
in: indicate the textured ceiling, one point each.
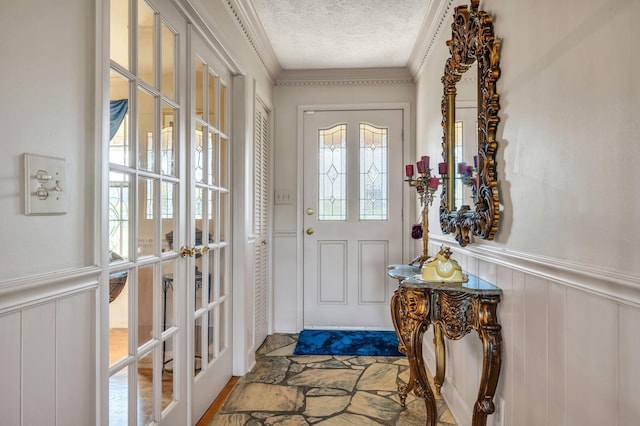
{"type": "Point", "coordinates": [319, 34]}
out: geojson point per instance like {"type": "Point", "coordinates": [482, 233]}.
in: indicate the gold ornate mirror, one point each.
{"type": "Point", "coordinates": [472, 43]}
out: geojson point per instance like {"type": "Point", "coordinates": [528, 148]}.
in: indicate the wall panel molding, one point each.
{"type": "Point", "coordinates": [619, 287]}
{"type": "Point", "coordinates": [16, 294]}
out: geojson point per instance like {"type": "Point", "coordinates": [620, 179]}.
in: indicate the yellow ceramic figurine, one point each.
{"type": "Point", "coordinates": [441, 268]}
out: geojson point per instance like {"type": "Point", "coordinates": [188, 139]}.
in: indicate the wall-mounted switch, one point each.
{"type": "Point", "coordinates": [45, 182]}
{"type": "Point", "coordinates": [283, 196]}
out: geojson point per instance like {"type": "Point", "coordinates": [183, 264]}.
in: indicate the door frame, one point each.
{"type": "Point", "coordinates": [408, 203]}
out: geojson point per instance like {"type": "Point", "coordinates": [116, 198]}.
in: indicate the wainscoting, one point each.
{"type": "Point", "coordinates": [48, 349]}
{"type": "Point", "coordinates": [570, 344]}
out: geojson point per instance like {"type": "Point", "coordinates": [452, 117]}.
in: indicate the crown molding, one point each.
{"type": "Point", "coordinates": [247, 20]}
{"type": "Point", "coordinates": [345, 77]}
{"type": "Point", "coordinates": [438, 12]}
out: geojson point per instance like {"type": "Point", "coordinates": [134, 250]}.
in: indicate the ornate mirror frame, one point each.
{"type": "Point", "coordinates": [472, 40]}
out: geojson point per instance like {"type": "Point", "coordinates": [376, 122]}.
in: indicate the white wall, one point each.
{"type": "Point", "coordinates": [47, 279]}
{"type": "Point", "coordinates": [566, 251]}
{"type": "Point", "coordinates": [287, 230]}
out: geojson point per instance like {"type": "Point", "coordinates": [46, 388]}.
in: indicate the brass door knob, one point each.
{"type": "Point", "coordinates": [184, 251]}
{"type": "Point", "coordinates": [309, 211]}
{"type": "Point", "coordinates": [309, 231]}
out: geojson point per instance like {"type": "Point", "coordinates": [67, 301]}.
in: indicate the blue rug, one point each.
{"type": "Point", "coordinates": [347, 342]}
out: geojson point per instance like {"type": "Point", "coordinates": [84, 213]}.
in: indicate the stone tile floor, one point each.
{"type": "Point", "coordinates": [289, 390]}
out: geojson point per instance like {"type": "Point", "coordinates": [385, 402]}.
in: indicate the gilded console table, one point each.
{"type": "Point", "coordinates": [454, 310]}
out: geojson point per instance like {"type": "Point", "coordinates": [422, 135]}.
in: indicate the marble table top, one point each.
{"type": "Point", "coordinates": [409, 276]}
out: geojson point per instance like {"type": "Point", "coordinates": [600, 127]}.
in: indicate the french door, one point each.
{"type": "Point", "coordinates": [146, 195]}
{"type": "Point", "coordinates": [208, 254]}
{"type": "Point", "coordinates": [352, 216]}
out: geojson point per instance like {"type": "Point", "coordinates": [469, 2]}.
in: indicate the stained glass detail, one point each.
{"type": "Point", "coordinates": [332, 167]}
{"type": "Point", "coordinates": [373, 172]}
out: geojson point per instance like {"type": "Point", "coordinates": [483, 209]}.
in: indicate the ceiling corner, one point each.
{"type": "Point", "coordinates": [438, 13]}
{"type": "Point", "coordinates": [247, 20]}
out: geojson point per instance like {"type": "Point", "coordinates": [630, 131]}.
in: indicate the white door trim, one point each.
{"type": "Point", "coordinates": [408, 203]}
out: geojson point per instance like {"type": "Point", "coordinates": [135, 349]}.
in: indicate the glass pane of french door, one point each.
{"type": "Point", "coordinates": [144, 194]}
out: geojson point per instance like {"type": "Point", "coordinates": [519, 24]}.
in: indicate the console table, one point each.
{"type": "Point", "coordinates": [454, 310]}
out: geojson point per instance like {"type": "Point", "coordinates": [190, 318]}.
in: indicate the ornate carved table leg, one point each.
{"type": "Point", "coordinates": [490, 333]}
{"type": "Point", "coordinates": [441, 361]}
{"type": "Point", "coordinates": [416, 362]}
{"type": "Point", "coordinates": [396, 318]}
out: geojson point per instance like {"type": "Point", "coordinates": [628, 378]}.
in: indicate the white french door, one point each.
{"type": "Point", "coordinates": [209, 293]}
{"type": "Point", "coordinates": [353, 216]}
{"type": "Point", "coordinates": [147, 189]}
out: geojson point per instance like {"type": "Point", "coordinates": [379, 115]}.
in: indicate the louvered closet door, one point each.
{"type": "Point", "coordinates": [261, 221]}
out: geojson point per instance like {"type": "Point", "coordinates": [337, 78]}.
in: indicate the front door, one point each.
{"type": "Point", "coordinates": [353, 216]}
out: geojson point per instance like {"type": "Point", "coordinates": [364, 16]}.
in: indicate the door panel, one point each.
{"type": "Point", "coordinates": [209, 307]}
{"type": "Point", "coordinates": [353, 216]}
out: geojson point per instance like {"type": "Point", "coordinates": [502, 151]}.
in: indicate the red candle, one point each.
{"type": "Point", "coordinates": [434, 182]}
{"type": "Point", "coordinates": [425, 158]}
{"type": "Point", "coordinates": [442, 168]}
{"type": "Point", "coordinates": [408, 170]}
{"type": "Point", "coordinates": [462, 168]}
{"type": "Point", "coordinates": [422, 167]}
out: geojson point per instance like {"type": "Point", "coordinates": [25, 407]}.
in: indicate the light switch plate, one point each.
{"type": "Point", "coordinates": [45, 185]}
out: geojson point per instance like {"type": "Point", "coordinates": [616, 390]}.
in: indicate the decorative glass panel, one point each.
{"type": "Point", "coordinates": [168, 57]}
{"type": "Point", "coordinates": [212, 147]}
{"type": "Point", "coordinates": [373, 172]}
{"type": "Point", "coordinates": [222, 271]}
{"type": "Point", "coordinates": [146, 127]}
{"type": "Point", "coordinates": [199, 88]}
{"type": "Point", "coordinates": [168, 141]}
{"type": "Point", "coordinates": [332, 178]}
{"type": "Point", "coordinates": [146, 42]}
{"type": "Point", "coordinates": [198, 154]}
{"type": "Point", "coordinates": [222, 326]}
{"type": "Point", "coordinates": [145, 304]}
{"type": "Point", "coordinates": [120, 144]}
{"type": "Point", "coordinates": [211, 256]}
{"type": "Point", "coordinates": [119, 33]}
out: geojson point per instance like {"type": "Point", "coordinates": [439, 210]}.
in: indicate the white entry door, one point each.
{"type": "Point", "coordinates": [353, 216]}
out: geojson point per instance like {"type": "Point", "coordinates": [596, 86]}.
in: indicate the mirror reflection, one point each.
{"type": "Point", "coordinates": [466, 139]}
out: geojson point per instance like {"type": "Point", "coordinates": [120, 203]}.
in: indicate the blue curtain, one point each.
{"type": "Point", "coordinates": [117, 111]}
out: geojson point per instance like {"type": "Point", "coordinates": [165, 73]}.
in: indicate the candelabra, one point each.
{"type": "Point", "coordinates": [425, 185]}
{"type": "Point", "coordinates": [468, 177]}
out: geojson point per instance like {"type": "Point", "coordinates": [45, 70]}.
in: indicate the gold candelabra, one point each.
{"type": "Point", "coordinates": [425, 185]}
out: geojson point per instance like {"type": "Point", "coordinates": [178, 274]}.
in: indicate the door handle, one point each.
{"type": "Point", "coordinates": [309, 211]}
{"type": "Point", "coordinates": [309, 231]}
{"type": "Point", "coordinates": [184, 251]}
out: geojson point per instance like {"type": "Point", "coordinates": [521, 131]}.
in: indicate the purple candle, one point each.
{"type": "Point", "coordinates": [475, 161]}
{"type": "Point", "coordinates": [422, 167]}
{"type": "Point", "coordinates": [408, 170]}
{"type": "Point", "coordinates": [442, 168]}
{"type": "Point", "coordinates": [462, 168]}
{"type": "Point", "coordinates": [469, 171]}
{"type": "Point", "coordinates": [425, 158]}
